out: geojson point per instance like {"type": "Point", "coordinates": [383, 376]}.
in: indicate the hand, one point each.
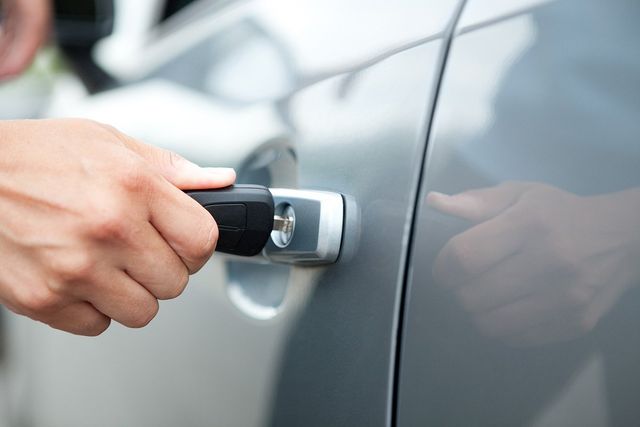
{"type": "Point", "coordinates": [94, 226]}
{"type": "Point", "coordinates": [25, 26]}
{"type": "Point", "coordinates": [541, 264]}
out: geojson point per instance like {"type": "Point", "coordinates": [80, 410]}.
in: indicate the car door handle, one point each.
{"type": "Point", "coordinates": [318, 226]}
{"type": "Point", "coordinates": [286, 225]}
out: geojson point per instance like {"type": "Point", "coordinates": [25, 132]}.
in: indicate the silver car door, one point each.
{"type": "Point", "coordinates": [522, 300]}
{"type": "Point", "coordinates": [323, 95]}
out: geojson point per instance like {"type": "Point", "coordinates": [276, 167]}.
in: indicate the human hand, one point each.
{"type": "Point", "coordinates": [25, 26]}
{"type": "Point", "coordinates": [94, 226]}
{"type": "Point", "coordinates": [540, 264]}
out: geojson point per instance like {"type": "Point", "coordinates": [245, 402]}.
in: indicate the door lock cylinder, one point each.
{"type": "Point", "coordinates": [285, 225]}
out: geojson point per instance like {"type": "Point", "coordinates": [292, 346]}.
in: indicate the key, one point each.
{"type": "Point", "coordinates": [283, 224]}
{"type": "Point", "coordinates": [245, 217]}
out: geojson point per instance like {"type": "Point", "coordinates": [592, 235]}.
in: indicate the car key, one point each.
{"type": "Point", "coordinates": [245, 217]}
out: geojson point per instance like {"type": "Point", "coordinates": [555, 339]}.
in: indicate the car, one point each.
{"type": "Point", "coordinates": [487, 157]}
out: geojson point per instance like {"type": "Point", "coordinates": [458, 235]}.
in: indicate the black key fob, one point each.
{"type": "Point", "coordinates": [244, 214]}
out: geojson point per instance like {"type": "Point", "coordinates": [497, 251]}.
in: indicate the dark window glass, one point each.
{"type": "Point", "coordinates": [174, 6]}
{"type": "Point", "coordinates": [76, 9]}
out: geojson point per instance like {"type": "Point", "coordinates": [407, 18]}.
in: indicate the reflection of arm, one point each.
{"type": "Point", "coordinates": [540, 264]}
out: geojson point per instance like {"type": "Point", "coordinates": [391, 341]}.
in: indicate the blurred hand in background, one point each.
{"type": "Point", "coordinates": [25, 26]}
{"type": "Point", "coordinates": [540, 264]}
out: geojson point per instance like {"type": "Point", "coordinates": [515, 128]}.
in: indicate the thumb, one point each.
{"type": "Point", "coordinates": [179, 171]}
{"type": "Point", "coordinates": [478, 205]}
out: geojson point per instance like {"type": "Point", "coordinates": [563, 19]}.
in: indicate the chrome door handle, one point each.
{"type": "Point", "coordinates": [286, 226]}
{"type": "Point", "coordinates": [316, 234]}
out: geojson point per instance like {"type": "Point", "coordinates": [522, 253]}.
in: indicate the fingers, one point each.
{"type": "Point", "coordinates": [150, 261]}
{"type": "Point", "coordinates": [555, 311]}
{"type": "Point", "coordinates": [111, 229]}
{"type": "Point", "coordinates": [188, 228]}
{"type": "Point", "coordinates": [80, 318]}
{"type": "Point", "coordinates": [547, 333]}
{"type": "Point", "coordinates": [505, 283]}
{"type": "Point", "coordinates": [524, 314]}
{"type": "Point", "coordinates": [478, 205]}
{"type": "Point", "coordinates": [476, 250]}
{"type": "Point", "coordinates": [118, 296]}
{"type": "Point", "coordinates": [24, 28]}
{"type": "Point", "coordinates": [153, 271]}
{"type": "Point", "coordinates": [179, 171]}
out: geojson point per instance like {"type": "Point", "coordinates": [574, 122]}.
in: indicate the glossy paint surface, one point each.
{"type": "Point", "coordinates": [330, 96]}
{"type": "Point", "coordinates": [523, 304]}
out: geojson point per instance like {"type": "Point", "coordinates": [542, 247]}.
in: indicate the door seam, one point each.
{"type": "Point", "coordinates": [396, 356]}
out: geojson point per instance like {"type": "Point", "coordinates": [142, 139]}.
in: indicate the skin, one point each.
{"type": "Point", "coordinates": [539, 265]}
{"type": "Point", "coordinates": [94, 225]}
{"type": "Point", "coordinates": [25, 26]}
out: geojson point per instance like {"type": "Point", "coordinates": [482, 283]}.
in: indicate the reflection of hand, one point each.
{"type": "Point", "coordinates": [25, 26]}
{"type": "Point", "coordinates": [541, 264]}
{"type": "Point", "coordinates": [93, 226]}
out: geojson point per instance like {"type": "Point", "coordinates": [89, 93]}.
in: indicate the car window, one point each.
{"type": "Point", "coordinates": [174, 6]}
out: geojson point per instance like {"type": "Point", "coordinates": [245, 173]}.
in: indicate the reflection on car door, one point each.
{"type": "Point", "coordinates": [520, 307]}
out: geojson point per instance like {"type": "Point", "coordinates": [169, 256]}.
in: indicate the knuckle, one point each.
{"type": "Point", "coordinates": [37, 301]}
{"type": "Point", "coordinates": [175, 287]}
{"type": "Point", "coordinates": [210, 243]}
{"type": "Point", "coordinates": [110, 223]}
{"type": "Point", "coordinates": [92, 128]}
{"type": "Point", "coordinates": [73, 267]}
{"type": "Point", "coordinates": [111, 131]}
{"type": "Point", "coordinates": [202, 248]}
{"type": "Point", "coordinates": [95, 327]}
{"type": "Point", "coordinates": [144, 314]}
{"type": "Point", "coordinates": [134, 176]}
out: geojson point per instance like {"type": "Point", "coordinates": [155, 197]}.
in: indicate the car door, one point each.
{"type": "Point", "coordinates": [516, 312]}
{"type": "Point", "coordinates": [315, 95]}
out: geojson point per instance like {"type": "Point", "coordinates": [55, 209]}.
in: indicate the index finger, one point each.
{"type": "Point", "coordinates": [480, 204]}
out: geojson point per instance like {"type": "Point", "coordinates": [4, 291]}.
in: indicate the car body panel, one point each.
{"type": "Point", "coordinates": [339, 101]}
{"type": "Point", "coordinates": [549, 95]}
